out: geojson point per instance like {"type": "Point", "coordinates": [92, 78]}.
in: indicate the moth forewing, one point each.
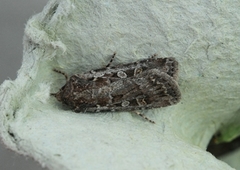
{"type": "Point", "coordinates": [145, 84]}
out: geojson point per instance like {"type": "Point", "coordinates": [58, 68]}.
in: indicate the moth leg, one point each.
{"type": "Point", "coordinates": [144, 117]}
{"type": "Point", "coordinates": [110, 62]}
{"type": "Point", "coordinates": [58, 71]}
{"type": "Point", "coordinates": [154, 56]}
{"type": "Point", "coordinates": [53, 94]}
{"type": "Point", "coordinates": [76, 109]}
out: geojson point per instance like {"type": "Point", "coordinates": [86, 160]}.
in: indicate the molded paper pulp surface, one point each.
{"type": "Point", "coordinates": [78, 36]}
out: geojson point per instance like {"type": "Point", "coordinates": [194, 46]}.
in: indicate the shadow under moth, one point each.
{"type": "Point", "coordinates": [145, 84]}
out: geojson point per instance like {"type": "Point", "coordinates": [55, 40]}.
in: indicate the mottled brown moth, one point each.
{"type": "Point", "coordinates": [145, 84]}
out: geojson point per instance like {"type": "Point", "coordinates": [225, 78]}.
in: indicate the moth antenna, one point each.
{"type": "Point", "coordinates": [61, 72]}
{"type": "Point", "coordinates": [110, 62]}
{"type": "Point", "coordinates": [144, 117]}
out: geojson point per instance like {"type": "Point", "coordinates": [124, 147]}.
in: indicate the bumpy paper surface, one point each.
{"type": "Point", "coordinates": [77, 36]}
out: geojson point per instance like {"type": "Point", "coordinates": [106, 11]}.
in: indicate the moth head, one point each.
{"type": "Point", "coordinates": [61, 95]}
{"type": "Point", "coordinates": [64, 93]}
{"type": "Point", "coordinates": [69, 92]}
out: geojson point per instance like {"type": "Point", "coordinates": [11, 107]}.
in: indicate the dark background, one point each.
{"type": "Point", "coordinates": [14, 14]}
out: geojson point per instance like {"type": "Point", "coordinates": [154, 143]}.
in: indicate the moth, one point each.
{"type": "Point", "coordinates": [145, 84]}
